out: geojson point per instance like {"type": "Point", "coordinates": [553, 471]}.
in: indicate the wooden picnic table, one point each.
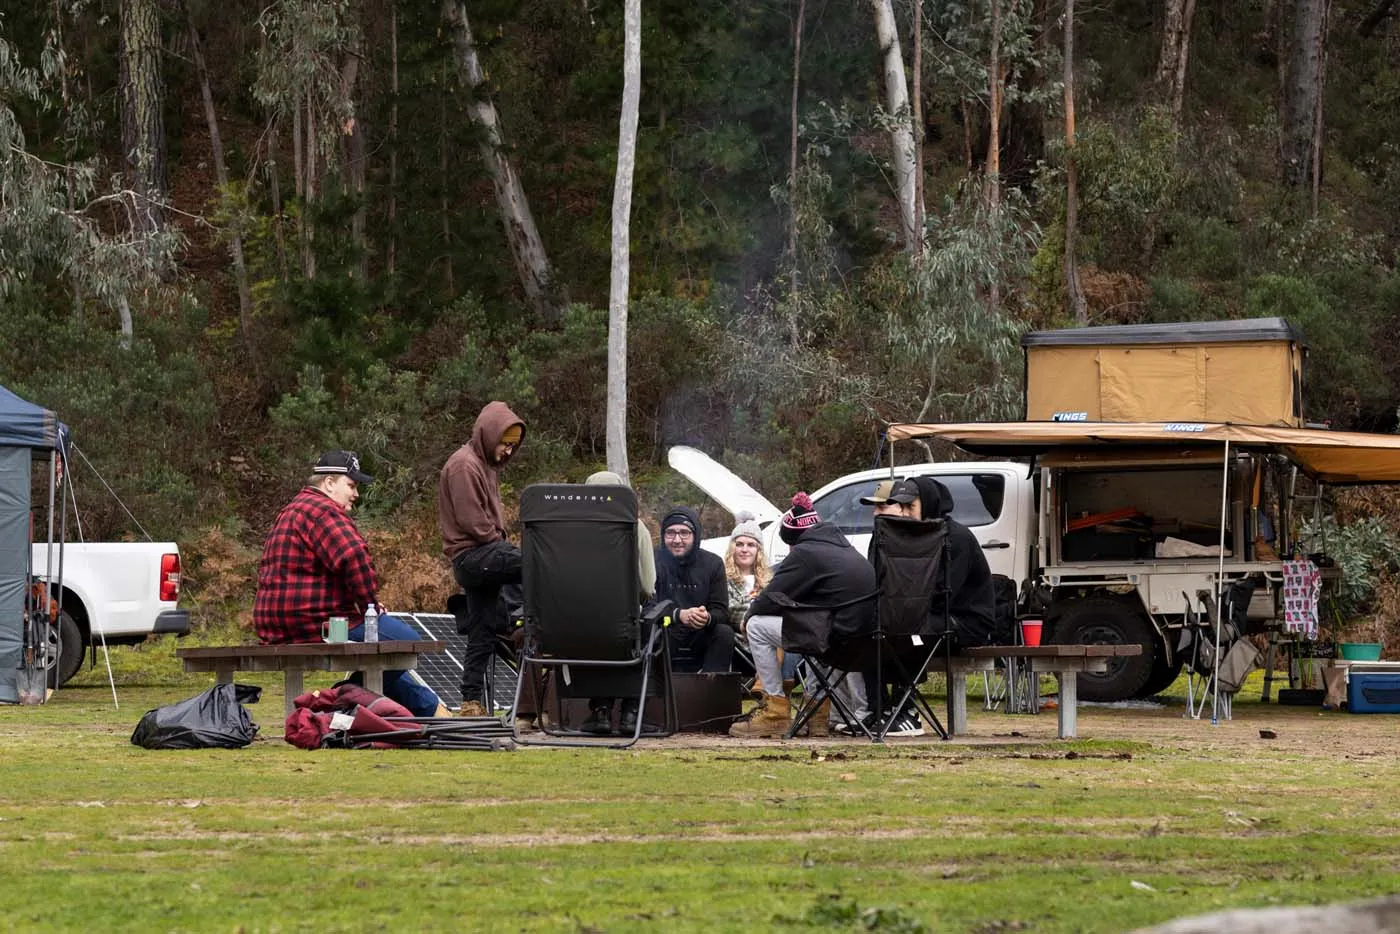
{"type": "Point", "coordinates": [373, 658]}
{"type": "Point", "coordinates": [1065, 662]}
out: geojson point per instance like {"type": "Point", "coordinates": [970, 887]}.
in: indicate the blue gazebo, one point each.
{"type": "Point", "coordinates": [27, 639]}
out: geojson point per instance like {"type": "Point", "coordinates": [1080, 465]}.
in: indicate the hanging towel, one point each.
{"type": "Point", "coordinates": [1302, 584]}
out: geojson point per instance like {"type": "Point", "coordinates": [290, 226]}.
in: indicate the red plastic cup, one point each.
{"type": "Point", "coordinates": [1030, 631]}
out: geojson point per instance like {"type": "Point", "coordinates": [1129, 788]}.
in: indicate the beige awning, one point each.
{"type": "Point", "coordinates": [1336, 457]}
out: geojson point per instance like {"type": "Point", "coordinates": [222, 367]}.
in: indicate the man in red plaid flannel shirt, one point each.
{"type": "Point", "coordinates": [315, 564]}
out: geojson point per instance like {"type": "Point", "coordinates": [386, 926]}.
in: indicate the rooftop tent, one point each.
{"type": "Point", "coordinates": [1334, 457]}
{"type": "Point", "coordinates": [1247, 372]}
{"type": "Point", "coordinates": [24, 428]}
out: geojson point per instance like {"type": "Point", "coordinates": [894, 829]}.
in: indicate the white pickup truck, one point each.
{"type": "Point", "coordinates": [1105, 589]}
{"type": "Point", "coordinates": [118, 591]}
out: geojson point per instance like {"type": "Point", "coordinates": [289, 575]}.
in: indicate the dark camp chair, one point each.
{"type": "Point", "coordinates": [585, 633]}
{"type": "Point", "coordinates": [913, 625]}
{"type": "Point", "coordinates": [829, 657]}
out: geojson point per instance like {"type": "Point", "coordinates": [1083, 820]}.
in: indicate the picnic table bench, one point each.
{"type": "Point", "coordinates": [1065, 662]}
{"type": "Point", "coordinates": [373, 658]}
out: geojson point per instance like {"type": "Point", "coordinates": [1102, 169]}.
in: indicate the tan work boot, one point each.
{"type": "Point", "coordinates": [772, 717]}
{"type": "Point", "coordinates": [472, 708]}
{"type": "Point", "coordinates": [817, 723]}
{"type": "Point", "coordinates": [757, 689]}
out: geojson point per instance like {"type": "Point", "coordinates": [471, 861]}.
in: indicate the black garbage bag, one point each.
{"type": "Point", "coordinates": [214, 719]}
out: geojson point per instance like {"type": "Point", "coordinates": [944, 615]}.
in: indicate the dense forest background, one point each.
{"type": "Point", "coordinates": [234, 235]}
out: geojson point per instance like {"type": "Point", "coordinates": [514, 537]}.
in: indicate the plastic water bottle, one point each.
{"type": "Point", "coordinates": [371, 623]}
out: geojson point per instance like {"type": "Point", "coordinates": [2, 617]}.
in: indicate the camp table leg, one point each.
{"type": "Point", "coordinates": [957, 702]}
{"type": "Point", "coordinates": [1068, 682]}
{"type": "Point", "coordinates": [223, 673]}
{"type": "Point", "coordinates": [291, 688]}
{"type": "Point", "coordinates": [374, 678]}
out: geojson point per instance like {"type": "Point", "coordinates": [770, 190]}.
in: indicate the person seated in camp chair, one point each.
{"type": "Point", "coordinates": [315, 565]}
{"type": "Point", "coordinates": [971, 601]}
{"type": "Point", "coordinates": [821, 570]}
{"type": "Point", "coordinates": [600, 709]}
{"type": "Point", "coordinates": [700, 637]}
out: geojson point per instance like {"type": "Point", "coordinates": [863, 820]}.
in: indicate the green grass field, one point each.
{"type": "Point", "coordinates": [1155, 818]}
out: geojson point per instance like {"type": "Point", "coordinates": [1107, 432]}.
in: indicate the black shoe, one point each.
{"type": "Point", "coordinates": [627, 725]}
{"type": "Point", "coordinates": [599, 721]}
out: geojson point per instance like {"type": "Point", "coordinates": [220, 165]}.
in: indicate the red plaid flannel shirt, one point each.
{"type": "Point", "coordinates": [314, 565]}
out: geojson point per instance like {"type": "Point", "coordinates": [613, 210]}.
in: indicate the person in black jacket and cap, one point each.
{"type": "Point", "coordinates": [970, 597]}
{"type": "Point", "coordinates": [822, 569]}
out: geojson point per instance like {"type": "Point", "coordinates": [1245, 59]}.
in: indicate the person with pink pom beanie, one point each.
{"type": "Point", "coordinates": [822, 569]}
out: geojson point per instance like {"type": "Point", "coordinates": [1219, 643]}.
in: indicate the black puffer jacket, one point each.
{"type": "Point", "coordinates": [695, 579]}
{"type": "Point", "coordinates": [823, 570]}
{"type": "Point", "coordinates": [971, 601]}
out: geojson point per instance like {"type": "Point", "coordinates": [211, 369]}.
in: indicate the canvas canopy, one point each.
{"type": "Point", "coordinates": [1334, 457]}
{"type": "Point", "coordinates": [1248, 372]}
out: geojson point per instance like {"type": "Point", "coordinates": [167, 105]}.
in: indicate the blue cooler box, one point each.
{"type": "Point", "coordinates": [1374, 692]}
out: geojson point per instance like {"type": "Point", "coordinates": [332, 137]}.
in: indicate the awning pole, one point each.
{"type": "Point", "coordinates": [1220, 583]}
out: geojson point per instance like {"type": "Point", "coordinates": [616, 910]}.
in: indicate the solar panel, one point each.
{"type": "Point", "coordinates": [443, 670]}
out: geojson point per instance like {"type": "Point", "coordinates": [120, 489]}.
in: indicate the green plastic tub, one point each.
{"type": "Point", "coordinates": [1360, 651]}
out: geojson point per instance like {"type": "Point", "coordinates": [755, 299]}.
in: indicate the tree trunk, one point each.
{"type": "Point", "coordinates": [1302, 110]}
{"type": "Point", "coordinates": [621, 238]}
{"type": "Point", "coordinates": [542, 292]}
{"type": "Point", "coordinates": [310, 187]}
{"type": "Point", "coordinates": [392, 257]}
{"type": "Point", "coordinates": [1176, 47]}
{"type": "Point", "coordinates": [142, 105]}
{"type": "Point", "coordinates": [274, 189]}
{"type": "Point", "coordinates": [995, 80]}
{"type": "Point", "coordinates": [917, 112]}
{"type": "Point", "coordinates": [355, 154]}
{"type": "Point", "coordinates": [1074, 294]}
{"type": "Point", "coordinates": [444, 206]}
{"type": "Point", "coordinates": [216, 146]}
{"type": "Point", "coordinates": [902, 131]}
{"type": "Point", "coordinates": [797, 25]}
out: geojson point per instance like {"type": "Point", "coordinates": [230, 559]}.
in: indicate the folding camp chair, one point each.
{"type": "Point", "coordinates": [913, 624]}
{"type": "Point", "coordinates": [585, 634]}
{"type": "Point", "coordinates": [829, 658]}
{"type": "Point", "coordinates": [1216, 655]}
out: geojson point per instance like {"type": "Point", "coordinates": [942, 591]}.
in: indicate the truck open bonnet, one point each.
{"type": "Point", "coordinates": [721, 484]}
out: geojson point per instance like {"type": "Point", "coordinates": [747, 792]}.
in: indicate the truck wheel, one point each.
{"type": "Point", "coordinates": [1106, 621]}
{"type": "Point", "coordinates": [72, 649]}
{"type": "Point", "coordinates": [1163, 675]}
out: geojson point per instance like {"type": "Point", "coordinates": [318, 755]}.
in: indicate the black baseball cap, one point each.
{"type": "Point", "coordinates": [903, 492]}
{"type": "Point", "coordinates": [346, 462]}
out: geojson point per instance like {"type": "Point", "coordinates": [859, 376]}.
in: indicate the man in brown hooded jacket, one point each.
{"type": "Point", "coordinates": [474, 539]}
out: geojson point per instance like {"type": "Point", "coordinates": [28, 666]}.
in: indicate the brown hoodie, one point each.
{"type": "Point", "coordinates": [469, 495]}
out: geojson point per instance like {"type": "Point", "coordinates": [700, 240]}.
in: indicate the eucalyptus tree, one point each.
{"type": "Point", "coordinates": [1176, 47]}
{"type": "Point", "coordinates": [621, 242]}
{"type": "Point", "coordinates": [1300, 150]}
{"type": "Point", "coordinates": [901, 126]}
{"type": "Point", "coordinates": [306, 68]}
{"type": "Point", "coordinates": [543, 293]}
{"type": "Point", "coordinates": [966, 348]}
{"type": "Point", "coordinates": [58, 223]}
{"type": "Point", "coordinates": [1074, 291]}
{"type": "Point", "coordinates": [142, 87]}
